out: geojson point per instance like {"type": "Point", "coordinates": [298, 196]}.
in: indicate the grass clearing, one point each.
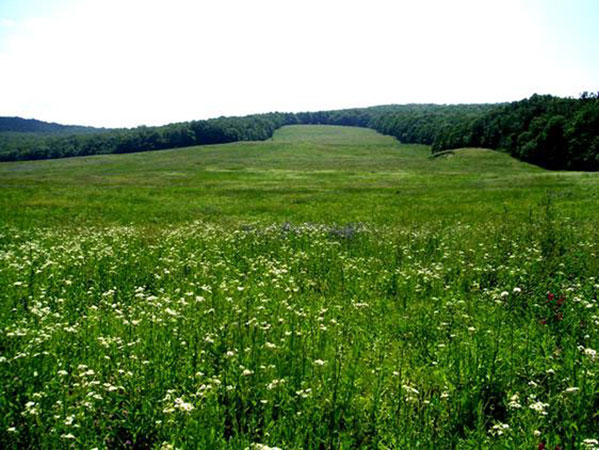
{"type": "Point", "coordinates": [328, 288]}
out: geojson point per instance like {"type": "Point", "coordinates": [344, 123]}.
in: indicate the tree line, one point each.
{"type": "Point", "coordinates": [22, 146]}
{"type": "Point", "coordinates": [553, 132]}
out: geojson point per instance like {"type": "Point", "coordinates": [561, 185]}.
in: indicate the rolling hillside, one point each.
{"type": "Point", "coordinates": [303, 174]}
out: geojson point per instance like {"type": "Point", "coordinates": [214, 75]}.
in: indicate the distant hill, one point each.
{"type": "Point", "coordinates": [551, 132]}
{"type": "Point", "coordinates": [20, 125]}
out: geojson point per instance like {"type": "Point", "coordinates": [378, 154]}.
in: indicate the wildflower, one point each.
{"type": "Point", "coordinates": [516, 290]}
{"type": "Point", "coordinates": [257, 446]}
{"type": "Point", "coordinates": [539, 407]}
{"type": "Point", "coordinates": [183, 406]}
{"type": "Point", "coordinates": [247, 372]}
{"type": "Point", "coordinates": [274, 383]}
{"type": "Point", "coordinates": [514, 404]}
{"type": "Point", "coordinates": [171, 312]}
{"type": "Point", "coordinates": [319, 362]}
{"type": "Point", "coordinates": [30, 409]}
{"type": "Point", "coordinates": [571, 389]}
{"type": "Point", "coordinates": [499, 428]}
{"type": "Point", "coordinates": [504, 294]}
{"type": "Point", "coordinates": [303, 393]}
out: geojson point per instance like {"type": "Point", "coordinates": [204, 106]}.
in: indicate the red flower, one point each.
{"type": "Point", "coordinates": [542, 446]}
{"type": "Point", "coordinates": [560, 301]}
{"type": "Point", "coordinates": [550, 296]}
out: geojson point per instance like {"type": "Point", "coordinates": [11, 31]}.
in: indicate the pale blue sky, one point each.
{"type": "Point", "coordinates": [132, 62]}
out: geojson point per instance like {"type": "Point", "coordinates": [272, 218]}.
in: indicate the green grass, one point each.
{"type": "Point", "coordinates": [304, 174]}
{"type": "Point", "coordinates": [329, 288]}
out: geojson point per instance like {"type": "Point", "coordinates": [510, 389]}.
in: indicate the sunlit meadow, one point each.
{"type": "Point", "coordinates": [330, 288]}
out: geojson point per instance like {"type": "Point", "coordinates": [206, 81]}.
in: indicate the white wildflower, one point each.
{"type": "Point", "coordinates": [590, 352]}
{"type": "Point", "coordinates": [499, 428]}
{"type": "Point", "coordinates": [514, 403]}
{"type": "Point", "coordinates": [183, 406]}
{"type": "Point", "coordinates": [257, 446]}
{"type": "Point", "coordinates": [539, 407]}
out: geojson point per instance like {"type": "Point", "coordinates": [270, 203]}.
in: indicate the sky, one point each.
{"type": "Point", "coordinates": [124, 63]}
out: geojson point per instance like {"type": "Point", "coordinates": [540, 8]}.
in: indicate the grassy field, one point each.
{"type": "Point", "coordinates": [329, 288]}
{"type": "Point", "coordinates": [319, 174]}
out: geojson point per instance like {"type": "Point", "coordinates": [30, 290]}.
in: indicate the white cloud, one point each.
{"type": "Point", "coordinates": [124, 63]}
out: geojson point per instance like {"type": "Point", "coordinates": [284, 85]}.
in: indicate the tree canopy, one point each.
{"type": "Point", "coordinates": [553, 132]}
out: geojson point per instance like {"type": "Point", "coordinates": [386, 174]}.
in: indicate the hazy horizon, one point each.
{"type": "Point", "coordinates": [273, 111]}
{"type": "Point", "coordinates": [125, 64]}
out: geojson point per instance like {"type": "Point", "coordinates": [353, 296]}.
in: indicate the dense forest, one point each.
{"type": "Point", "coordinates": [553, 132]}
{"type": "Point", "coordinates": [21, 146]}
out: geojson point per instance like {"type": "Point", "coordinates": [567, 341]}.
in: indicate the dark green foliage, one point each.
{"type": "Point", "coordinates": [553, 132]}
{"type": "Point", "coordinates": [213, 131]}
{"type": "Point", "coordinates": [427, 124]}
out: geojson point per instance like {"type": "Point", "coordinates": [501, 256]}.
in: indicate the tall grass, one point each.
{"type": "Point", "coordinates": [301, 335]}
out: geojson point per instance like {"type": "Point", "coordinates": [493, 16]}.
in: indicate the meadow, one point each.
{"type": "Point", "coordinates": [327, 288]}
